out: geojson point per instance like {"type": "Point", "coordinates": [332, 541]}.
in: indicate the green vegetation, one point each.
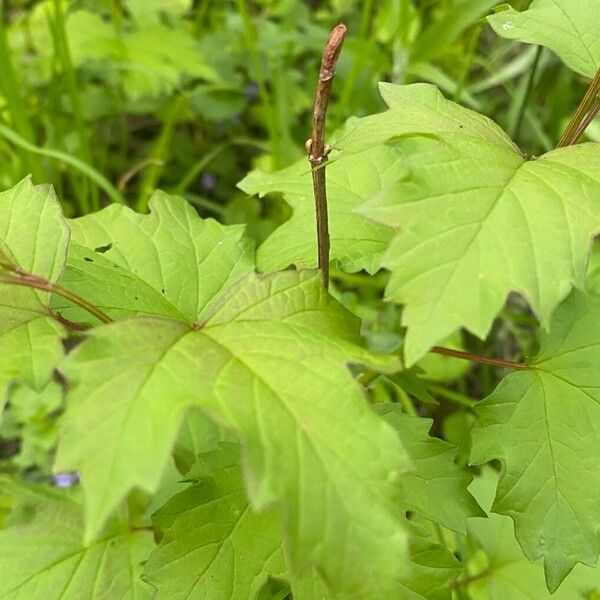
{"type": "Point", "coordinates": [186, 411]}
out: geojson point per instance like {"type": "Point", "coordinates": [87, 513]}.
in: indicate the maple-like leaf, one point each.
{"type": "Point", "coordinates": [434, 474]}
{"type": "Point", "coordinates": [169, 263]}
{"type": "Point", "coordinates": [473, 214]}
{"type": "Point", "coordinates": [543, 423]}
{"type": "Point", "coordinates": [267, 359]}
{"type": "Point", "coordinates": [42, 554]}
{"type": "Point", "coordinates": [33, 238]}
{"type": "Point", "coordinates": [215, 545]}
{"type": "Point", "coordinates": [506, 572]}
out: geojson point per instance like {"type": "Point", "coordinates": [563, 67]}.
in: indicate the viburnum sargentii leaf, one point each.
{"type": "Point", "coordinates": [33, 239]}
{"type": "Point", "coordinates": [214, 544]}
{"type": "Point", "coordinates": [42, 553]}
{"type": "Point", "coordinates": [506, 572]}
{"type": "Point", "coordinates": [543, 424]}
{"type": "Point", "coordinates": [434, 474]}
{"type": "Point", "coordinates": [265, 356]}
{"type": "Point", "coordinates": [355, 243]}
{"type": "Point", "coordinates": [473, 214]}
{"type": "Point", "coordinates": [168, 263]}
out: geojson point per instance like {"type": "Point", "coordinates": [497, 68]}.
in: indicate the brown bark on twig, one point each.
{"type": "Point", "coordinates": [581, 118]}
{"type": "Point", "coordinates": [317, 149]}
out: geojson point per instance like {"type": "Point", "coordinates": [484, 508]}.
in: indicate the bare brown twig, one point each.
{"type": "Point", "coordinates": [576, 126]}
{"type": "Point", "coordinates": [316, 147]}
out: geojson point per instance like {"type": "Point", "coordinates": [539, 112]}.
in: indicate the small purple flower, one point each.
{"type": "Point", "coordinates": [208, 181]}
{"type": "Point", "coordinates": [65, 480]}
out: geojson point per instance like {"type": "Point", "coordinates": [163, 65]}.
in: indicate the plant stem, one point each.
{"type": "Point", "coordinates": [135, 169]}
{"type": "Point", "coordinates": [498, 362]}
{"type": "Point", "coordinates": [159, 152]}
{"type": "Point", "coordinates": [574, 126]}
{"type": "Point", "coordinates": [527, 94]}
{"type": "Point", "coordinates": [251, 44]}
{"type": "Point", "coordinates": [89, 171]}
{"type": "Point", "coordinates": [586, 121]}
{"type": "Point", "coordinates": [39, 283]}
{"type": "Point", "coordinates": [317, 153]}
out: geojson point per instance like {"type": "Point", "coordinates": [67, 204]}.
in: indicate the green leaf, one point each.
{"type": "Point", "coordinates": [33, 238]}
{"type": "Point", "coordinates": [568, 27]}
{"type": "Point", "coordinates": [543, 424]}
{"type": "Point", "coordinates": [169, 263]}
{"type": "Point", "coordinates": [148, 69]}
{"type": "Point", "coordinates": [215, 545]}
{"type": "Point", "coordinates": [43, 556]}
{"type": "Point", "coordinates": [508, 575]}
{"type": "Point", "coordinates": [435, 474]}
{"type": "Point", "coordinates": [432, 569]}
{"type": "Point", "coordinates": [270, 364]}
{"type": "Point", "coordinates": [355, 243]}
{"type": "Point", "coordinates": [472, 217]}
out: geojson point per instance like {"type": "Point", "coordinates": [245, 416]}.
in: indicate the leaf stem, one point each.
{"type": "Point", "coordinates": [586, 121]}
{"type": "Point", "coordinates": [527, 94]}
{"type": "Point", "coordinates": [39, 283]}
{"type": "Point", "coordinates": [498, 362]}
{"type": "Point", "coordinates": [581, 115]}
{"type": "Point", "coordinates": [317, 151]}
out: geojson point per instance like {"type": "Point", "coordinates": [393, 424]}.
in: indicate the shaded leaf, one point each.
{"type": "Point", "coordinates": [42, 555]}
{"type": "Point", "coordinates": [436, 488]}
{"type": "Point", "coordinates": [215, 545]}
{"type": "Point", "coordinates": [508, 574]}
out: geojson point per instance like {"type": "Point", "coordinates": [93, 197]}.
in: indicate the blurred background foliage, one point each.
{"type": "Point", "coordinates": [119, 97]}
{"type": "Point", "coordinates": [108, 100]}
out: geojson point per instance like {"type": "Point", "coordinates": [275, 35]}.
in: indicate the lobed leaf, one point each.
{"type": "Point", "coordinates": [33, 238]}
{"type": "Point", "coordinates": [543, 424]}
{"type": "Point", "coordinates": [270, 364]}
{"type": "Point", "coordinates": [215, 545]}
{"type": "Point", "coordinates": [43, 551]}
{"type": "Point", "coordinates": [435, 474]}
{"type": "Point", "coordinates": [472, 216]}
{"type": "Point", "coordinates": [508, 574]}
{"type": "Point", "coordinates": [169, 263]}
